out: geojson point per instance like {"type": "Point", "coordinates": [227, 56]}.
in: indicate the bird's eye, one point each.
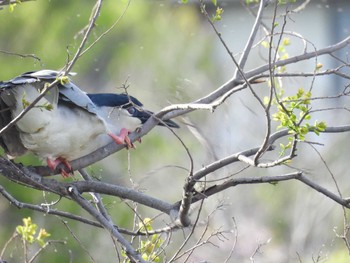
{"type": "Point", "coordinates": [131, 110]}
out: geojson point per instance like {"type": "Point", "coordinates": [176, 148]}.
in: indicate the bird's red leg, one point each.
{"type": "Point", "coordinates": [52, 164]}
{"type": "Point", "coordinates": [65, 174]}
{"type": "Point", "coordinates": [122, 138]}
{"type": "Point", "coordinates": [67, 165]}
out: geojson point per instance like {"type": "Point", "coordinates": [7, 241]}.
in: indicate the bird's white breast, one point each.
{"type": "Point", "coordinates": [63, 131]}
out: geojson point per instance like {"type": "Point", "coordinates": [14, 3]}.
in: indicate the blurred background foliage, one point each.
{"type": "Point", "coordinates": [166, 53]}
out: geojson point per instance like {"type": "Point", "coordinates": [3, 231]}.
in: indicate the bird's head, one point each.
{"type": "Point", "coordinates": [125, 105]}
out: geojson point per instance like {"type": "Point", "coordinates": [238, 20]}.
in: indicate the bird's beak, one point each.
{"type": "Point", "coordinates": [144, 115]}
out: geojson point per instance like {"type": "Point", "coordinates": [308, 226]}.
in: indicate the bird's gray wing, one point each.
{"type": "Point", "coordinates": [10, 139]}
{"type": "Point", "coordinates": [70, 93]}
{"type": "Point", "coordinates": [66, 92]}
{"type": "Point", "coordinates": [32, 79]}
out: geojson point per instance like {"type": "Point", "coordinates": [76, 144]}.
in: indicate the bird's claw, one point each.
{"type": "Point", "coordinates": [122, 138]}
{"type": "Point", "coordinates": [52, 164]}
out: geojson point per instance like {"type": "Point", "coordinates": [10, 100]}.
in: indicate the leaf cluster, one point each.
{"type": "Point", "coordinates": [28, 232]}
{"type": "Point", "coordinates": [293, 113]}
{"type": "Point", "coordinates": [149, 247]}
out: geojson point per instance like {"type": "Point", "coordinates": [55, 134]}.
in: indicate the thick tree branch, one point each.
{"type": "Point", "coordinates": [269, 179]}
{"type": "Point", "coordinates": [235, 84]}
{"type": "Point", "coordinates": [26, 177]}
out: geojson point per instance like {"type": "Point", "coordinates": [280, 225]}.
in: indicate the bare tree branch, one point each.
{"type": "Point", "coordinates": [251, 37]}
{"type": "Point", "coordinates": [133, 255]}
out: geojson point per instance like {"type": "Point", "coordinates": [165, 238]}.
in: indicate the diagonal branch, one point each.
{"type": "Point", "coordinates": [235, 84]}
{"type": "Point", "coordinates": [96, 10]}
{"type": "Point", "coordinates": [252, 36]}
{"type": "Point", "coordinates": [133, 255]}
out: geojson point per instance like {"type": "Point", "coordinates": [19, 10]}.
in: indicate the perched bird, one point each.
{"type": "Point", "coordinates": [66, 123]}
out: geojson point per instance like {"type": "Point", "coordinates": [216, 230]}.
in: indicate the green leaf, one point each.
{"type": "Point", "coordinates": [266, 100]}
{"type": "Point", "coordinates": [63, 80]}
{"type": "Point", "coordinates": [320, 126]}
{"type": "Point", "coordinates": [319, 66]}
{"type": "Point", "coordinates": [217, 17]}
{"type": "Point", "coordinates": [12, 7]}
{"type": "Point", "coordinates": [265, 44]}
{"type": "Point", "coordinates": [286, 41]}
{"type": "Point", "coordinates": [304, 130]}
{"type": "Point", "coordinates": [300, 93]}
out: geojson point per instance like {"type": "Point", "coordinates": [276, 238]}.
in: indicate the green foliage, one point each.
{"type": "Point", "coordinates": [292, 111]}
{"type": "Point", "coordinates": [281, 50]}
{"type": "Point", "coordinates": [149, 248]}
{"type": "Point", "coordinates": [13, 5]}
{"type": "Point", "coordinates": [217, 17]}
{"type": "Point", "coordinates": [63, 80]}
{"type": "Point", "coordinates": [30, 237]}
{"type": "Point", "coordinates": [319, 66]}
{"type": "Point", "coordinates": [293, 114]}
{"type": "Point", "coordinates": [27, 231]}
{"type": "Point", "coordinates": [283, 54]}
{"type": "Point", "coordinates": [25, 103]}
{"type": "Point", "coordinates": [45, 106]}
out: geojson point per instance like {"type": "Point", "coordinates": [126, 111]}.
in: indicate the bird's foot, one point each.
{"type": "Point", "coordinates": [122, 138]}
{"type": "Point", "coordinates": [52, 164]}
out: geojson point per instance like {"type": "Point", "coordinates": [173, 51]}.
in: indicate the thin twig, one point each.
{"type": "Point", "coordinates": [33, 56]}
{"type": "Point", "coordinates": [176, 255]}
{"type": "Point", "coordinates": [107, 31]}
{"type": "Point", "coordinates": [235, 230]}
{"type": "Point", "coordinates": [41, 249]}
{"type": "Point", "coordinates": [96, 10]}
{"type": "Point", "coordinates": [14, 235]}
{"type": "Point", "coordinates": [78, 240]}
